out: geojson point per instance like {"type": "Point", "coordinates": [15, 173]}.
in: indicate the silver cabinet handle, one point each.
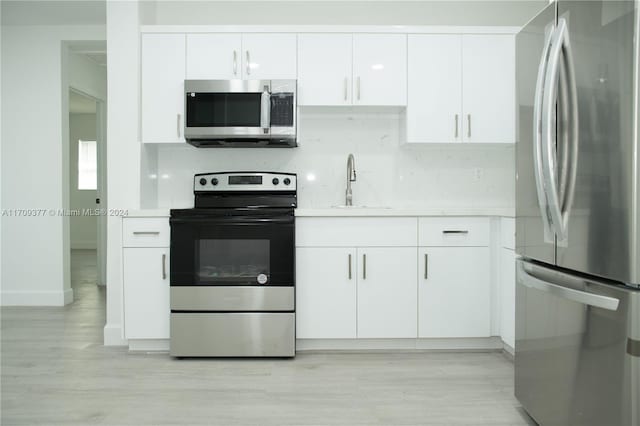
{"type": "Point", "coordinates": [164, 266]}
{"type": "Point", "coordinates": [599, 301]}
{"type": "Point", "coordinates": [364, 266]}
{"type": "Point", "coordinates": [456, 129]}
{"type": "Point", "coordinates": [345, 88]}
{"type": "Point", "coordinates": [349, 266]}
{"type": "Point", "coordinates": [358, 88]}
{"type": "Point", "coordinates": [248, 62]}
{"type": "Point", "coordinates": [146, 232]}
{"type": "Point", "coordinates": [468, 125]}
{"type": "Point", "coordinates": [426, 266]}
{"type": "Point", "coordinates": [455, 232]}
{"type": "Point", "coordinates": [235, 63]}
{"type": "Point", "coordinates": [178, 124]}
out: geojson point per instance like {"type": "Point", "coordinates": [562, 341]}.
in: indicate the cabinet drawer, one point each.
{"type": "Point", "coordinates": [356, 231]}
{"type": "Point", "coordinates": [145, 232]}
{"type": "Point", "coordinates": [453, 232]}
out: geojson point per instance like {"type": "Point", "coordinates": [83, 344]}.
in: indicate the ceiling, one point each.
{"type": "Point", "coordinates": [80, 104]}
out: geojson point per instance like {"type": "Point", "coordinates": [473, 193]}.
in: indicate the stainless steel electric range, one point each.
{"type": "Point", "coordinates": [233, 267]}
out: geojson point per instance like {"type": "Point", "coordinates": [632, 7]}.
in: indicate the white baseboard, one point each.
{"type": "Point", "coordinates": [36, 298]}
{"type": "Point", "coordinates": [453, 344]}
{"type": "Point", "coordinates": [508, 349]}
{"type": "Point", "coordinates": [149, 345]}
{"type": "Point", "coordinates": [113, 335]}
{"type": "Point", "coordinates": [356, 345]}
{"type": "Point", "coordinates": [84, 245]}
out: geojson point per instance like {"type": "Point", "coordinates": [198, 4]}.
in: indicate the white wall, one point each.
{"type": "Point", "coordinates": [34, 144]}
{"type": "Point", "coordinates": [388, 174]}
{"type": "Point", "coordinates": [341, 12]}
{"type": "Point", "coordinates": [84, 228]}
{"type": "Point", "coordinates": [123, 153]}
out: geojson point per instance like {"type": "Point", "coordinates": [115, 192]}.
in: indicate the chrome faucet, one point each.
{"type": "Point", "coordinates": [351, 177]}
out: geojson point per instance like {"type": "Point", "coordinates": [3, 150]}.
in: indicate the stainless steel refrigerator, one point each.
{"type": "Point", "coordinates": [577, 354]}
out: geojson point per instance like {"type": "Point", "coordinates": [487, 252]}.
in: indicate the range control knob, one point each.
{"type": "Point", "coordinates": [203, 181]}
{"type": "Point", "coordinates": [214, 181]}
{"type": "Point", "coordinates": [275, 181]}
{"type": "Point", "coordinates": [287, 181]}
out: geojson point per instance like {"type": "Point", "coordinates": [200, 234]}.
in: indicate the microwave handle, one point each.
{"type": "Point", "coordinates": [265, 111]}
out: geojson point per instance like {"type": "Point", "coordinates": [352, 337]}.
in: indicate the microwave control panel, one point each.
{"type": "Point", "coordinates": [282, 109]}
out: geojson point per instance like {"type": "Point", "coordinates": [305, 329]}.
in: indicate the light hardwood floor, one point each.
{"type": "Point", "coordinates": [56, 371]}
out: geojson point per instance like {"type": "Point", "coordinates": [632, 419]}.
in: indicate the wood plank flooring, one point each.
{"type": "Point", "coordinates": [56, 371]}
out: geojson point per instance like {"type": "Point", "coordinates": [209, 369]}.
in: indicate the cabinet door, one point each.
{"type": "Point", "coordinates": [508, 296]}
{"type": "Point", "coordinates": [454, 292]}
{"type": "Point", "coordinates": [387, 292]}
{"type": "Point", "coordinates": [214, 56]}
{"type": "Point", "coordinates": [324, 69]}
{"type": "Point", "coordinates": [380, 69]}
{"type": "Point", "coordinates": [325, 293]}
{"type": "Point", "coordinates": [269, 56]}
{"type": "Point", "coordinates": [162, 79]}
{"type": "Point", "coordinates": [146, 293]}
{"type": "Point", "coordinates": [488, 87]}
{"type": "Point", "coordinates": [434, 106]}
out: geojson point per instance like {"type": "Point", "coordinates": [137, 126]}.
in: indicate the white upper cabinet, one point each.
{"type": "Point", "coordinates": [488, 87]}
{"type": "Point", "coordinates": [269, 56]}
{"type": "Point", "coordinates": [462, 89]}
{"type": "Point", "coordinates": [379, 69]}
{"type": "Point", "coordinates": [162, 80]}
{"type": "Point", "coordinates": [214, 56]}
{"type": "Point", "coordinates": [435, 95]}
{"type": "Point", "coordinates": [324, 69]}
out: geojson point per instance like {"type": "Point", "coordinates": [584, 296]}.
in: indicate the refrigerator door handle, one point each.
{"type": "Point", "coordinates": [598, 301]}
{"type": "Point", "coordinates": [537, 139]}
{"type": "Point", "coordinates": [549, 156]}
{"type": "Point", "coordinates": [568, 102]}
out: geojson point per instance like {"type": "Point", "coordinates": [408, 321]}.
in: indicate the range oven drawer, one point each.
{"type": "Point", "coordinates": [245, 334]}
{"type": "Point", "coordinates": [232, 298]}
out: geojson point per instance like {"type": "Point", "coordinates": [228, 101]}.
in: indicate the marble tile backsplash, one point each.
{"type": "Point", "coordinates": [388, 173]}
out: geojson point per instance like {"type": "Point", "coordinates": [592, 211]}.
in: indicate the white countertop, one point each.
{"type": "Point", "coordinates": [405, 211]}
{"type": "Point", "coordinates": [148, 213]}
{"type": "Point", "coordinates": [371, 211]}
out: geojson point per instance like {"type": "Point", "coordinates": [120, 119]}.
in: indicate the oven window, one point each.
{"type": "Point", "coordinates": [223, 109]}
{"type": "Point", "coordinates": [240, 262]}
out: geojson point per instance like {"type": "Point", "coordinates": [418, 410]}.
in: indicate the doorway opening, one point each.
{"type": "Point", "coordinates": [84, 195]}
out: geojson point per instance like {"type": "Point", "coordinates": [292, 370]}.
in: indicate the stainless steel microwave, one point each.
{"type": "Point", "coordinates": [240, 113]}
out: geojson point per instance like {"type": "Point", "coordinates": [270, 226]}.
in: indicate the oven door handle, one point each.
{"type": "Point", "coordinates": [234, 220]}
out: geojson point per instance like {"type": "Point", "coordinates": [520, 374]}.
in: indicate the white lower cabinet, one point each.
{"type": "Point", "coordinates": [454, 292]}
{"type": "Point", "coordinates": [508, 296]}
{"type": "Point", "coordinates": [344, 293]}
{"type": "Point", "coordinates": [387, 292]}
{"type": "Point", "coordinates": [325, 293]}
{"type": "Point", "coordinates": [146, 292]}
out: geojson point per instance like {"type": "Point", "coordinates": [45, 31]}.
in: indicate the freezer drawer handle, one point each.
{"type": "Point", "coordinates": [604, 302]}
{"type": "Point", "coordinates": [447, 232]}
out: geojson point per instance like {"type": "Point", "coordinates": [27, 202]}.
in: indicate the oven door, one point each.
{"type": "Point", "coordinates": [227, 109]}
{"type": "Point", "coordinates": [222, 247]}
